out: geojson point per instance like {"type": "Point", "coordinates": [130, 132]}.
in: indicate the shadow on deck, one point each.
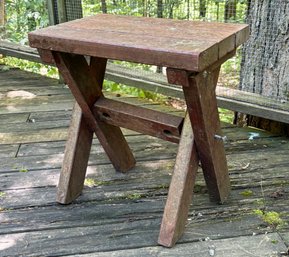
{"type": "Point", "coordinates": [120, 214]}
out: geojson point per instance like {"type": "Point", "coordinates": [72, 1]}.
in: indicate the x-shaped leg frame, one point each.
{"type": "Point", "coordinates": [196, 142]}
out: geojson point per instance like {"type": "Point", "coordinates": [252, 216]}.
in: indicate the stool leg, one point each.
{"type": "Point", "coordinates": [76, 157]}
{"type": "Point", "coordinates": [201, 101]}
{"type": "Point", "coordinates": [86, 87]}
{"type": "Point", "coordinates": [199, 91]}
{"type": "Point", "coordinates": [181, 189]}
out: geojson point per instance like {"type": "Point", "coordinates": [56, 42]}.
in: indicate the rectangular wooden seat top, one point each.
{"type": "Point", "coordinates": [189, 45]}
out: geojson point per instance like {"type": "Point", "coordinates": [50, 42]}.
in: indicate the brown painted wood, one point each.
{"type": "Point", "coordinates": [190, 45]}
{"type": "Point", "coordinates": [76, 156]}
{"type": "Point", "coordinates": [97, 68]}
{"type": "Point", "coordinates": [143, 120]}
{"type": "Point", "coordinates": [86, 89]}
{"type": "Point", "coordinates": [201, 101]}
{"type": "Point", "coordinates": [46, 56]}
{"type": "Point", "coordinates": [181, 189]}
{"type": "Point", "coordinates": [78, 145]}
{"type": "Point", "coordinates": [175, 44]}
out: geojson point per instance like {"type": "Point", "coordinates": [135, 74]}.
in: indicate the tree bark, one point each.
{"type": "Point", "coordinates": [202, 8]}
{"type": "Point", "coordinates": [2, 20]}
{"type": "Point", "coordinates": [145, 7]}
{"type": "Point", "coordinates": [171, 6]}
{"type": "Point", "coordinates": [265, 65]}
{"type": "Point", "coordinates": [188, 9]}
{"type": "Point", "coordinates": [160, 8]}
{"type": "Point", "coordinates": [103, 6]}
{"type": "Point", "coordinates": [2, 12]}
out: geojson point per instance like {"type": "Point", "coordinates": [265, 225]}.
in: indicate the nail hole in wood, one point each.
{"type": "Point", "coordinates": [105, 115]}
{"type": "Point", "coordinates": [167, 132]}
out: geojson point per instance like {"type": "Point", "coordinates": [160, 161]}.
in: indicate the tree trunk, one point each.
{"type": "Point", "coordinates": [230, 10]}
{"type": "Point", "coordinates": [160, 8]}
{"type": "Point", "coordinates": [188, 9]}
{"type": "Point", "coordinates": [265, 65]}
{"type": "Point", "coordinates": [2, 13]}
{"type": "Point", "coordinates": [103, 6]}
{"type": "Point", "coordinates": [2, 19]}
{"type": "Point", "coordinates": [61, 8]}
{"type": "Point", "coordinates": [202, 8]}
{"type": "Point", "coordinates": [171, 9]}
{"type": "Point", "coordinates": [145, 8]}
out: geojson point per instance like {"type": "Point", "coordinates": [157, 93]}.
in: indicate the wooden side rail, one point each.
{"type": "Point", "coordinates": [230, 99]}
{"type": "Point", "coordinates": [19, 51]}
{"type": "Point", "coordinates": [143, 120]}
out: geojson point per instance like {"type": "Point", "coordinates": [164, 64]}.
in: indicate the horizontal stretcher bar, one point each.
{"type": "Point", "coordinates": [150, 122]}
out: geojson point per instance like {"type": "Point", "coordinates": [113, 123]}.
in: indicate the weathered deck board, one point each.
{"type": "Point", "coordinates": [222, 248]}
{"type": "Point", "coordinates": [120, 215]}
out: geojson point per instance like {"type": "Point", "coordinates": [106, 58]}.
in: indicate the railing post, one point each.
{"type": "Point", "coordinates": [51, 12]}
{"type": "Point", "coordinates": [61, 8]}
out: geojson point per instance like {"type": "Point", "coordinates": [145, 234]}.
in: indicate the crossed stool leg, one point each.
{"type": "Point", "coordinates": [196, 136]}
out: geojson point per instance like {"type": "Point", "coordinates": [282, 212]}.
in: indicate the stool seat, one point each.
{"type": "Point", "coordinates": [189, 45]}
{"type": "Point", "coordinates": [192, 51]}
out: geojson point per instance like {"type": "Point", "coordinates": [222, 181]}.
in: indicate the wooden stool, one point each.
{"type": "Point", "coordinates": [193, 53]}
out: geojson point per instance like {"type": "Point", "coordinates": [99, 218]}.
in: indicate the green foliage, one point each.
{"type": "Point", "coordinates": [2, 194]}
{"type": "Point", "coordinates": [24, 170]}
{"type": "Point", "coordinates": [272, 218]}
{"type": "Point", "coordinates": [110, 86]}
{"type": "Point", "coordinates": [134, 196]}
{"type": "Point", "coordinates": [226, 115]}
{"type": "Point", "coordinates": [23, 16]}
{"type": "Point", "coordinates": [39, 68]}
{"type": "Point", "coordinates": [247, 193]}
{"type": "Point", "coordinates": [177, 9]}
{"type": "Point", "coordinates": [90, 182]}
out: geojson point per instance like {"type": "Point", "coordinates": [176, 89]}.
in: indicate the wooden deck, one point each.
{"type": "Point", "coordinates": [120, 214]}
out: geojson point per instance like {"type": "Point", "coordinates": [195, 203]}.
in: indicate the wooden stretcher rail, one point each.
{"type": "Point", "coordinates": [231, 99]}
{"type": "Point", "coordinates": [143, 120]}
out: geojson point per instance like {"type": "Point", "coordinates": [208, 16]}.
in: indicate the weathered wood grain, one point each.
{"type": "Point", "coordinates": [171, 43]}
{"type": "Point", "coordinates": [146, 121]}
{"type": "Point", "coordinates": [8, 150]}
{"type": "Point", "coordinates": [78, 145]}
{"type": "Point", "coordinates": [117, 237]}
{"type": "Point", "coordinates": [44, 135]}
{"type": "Point", "coordinates": [86, 89]}
{"type": "Point", "coordinates": [15, 118]}
{"type": "Point", "coordinates": [14, 133]}
{"type": "Point", "coordinates": [9, 49]}
{"type": "Point", "coordinates": [199, 92]}
{"type": "Point", "coordinates": [36, 104]}
{"type": "Point", "coordinates": [32, 124]}
{"type": "Point", "coordinates": [40, 153]}
{"type": "Point", "coordinates": [243, 247]}
{"type": "Point", "coordinates": [40, 100]}
{"type": "Point", "coordinates": [75, 160]}
{"type": "Point", "coordinates": [120, 215]}
{"type": "Point", "coordinates": [181, 188]}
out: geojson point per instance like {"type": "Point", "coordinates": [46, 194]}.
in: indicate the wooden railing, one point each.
{"type": "Point", "coordinates": [230, 99]}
